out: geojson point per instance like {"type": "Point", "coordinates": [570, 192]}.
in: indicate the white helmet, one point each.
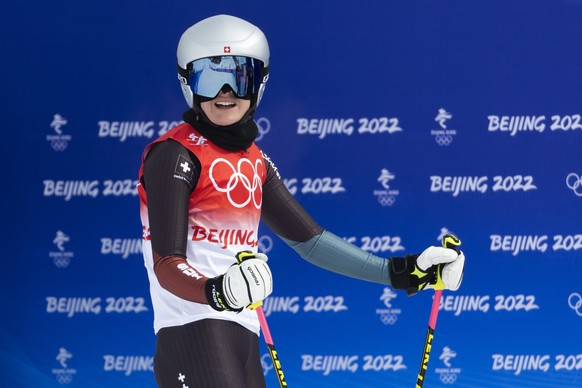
{"type": "Point", "coordinates": [229, 38]}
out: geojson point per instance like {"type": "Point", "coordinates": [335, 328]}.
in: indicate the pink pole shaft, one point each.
{"type": "Point", "coordinates": [264, 326]}
{"type": "Point", "coordinates": [434, 312]}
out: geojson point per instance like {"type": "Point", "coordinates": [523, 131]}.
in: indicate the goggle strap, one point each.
{"type": "Point", "coordinates": [264, 72]}
{"type": "Point", "coordinates": [184, 75]}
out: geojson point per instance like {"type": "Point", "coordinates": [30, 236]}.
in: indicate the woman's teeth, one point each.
{"type": "Point", "coordinates": [224, 104]}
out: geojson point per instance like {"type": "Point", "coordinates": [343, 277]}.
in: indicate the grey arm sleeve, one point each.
{"type": "Point", "coordinates": [328, 251]}
{"type": "Point", "coordinates": [287, 218]}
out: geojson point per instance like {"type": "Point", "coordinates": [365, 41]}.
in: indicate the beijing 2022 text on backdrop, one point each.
{"type": "Point", "coordinates": [391, 122]}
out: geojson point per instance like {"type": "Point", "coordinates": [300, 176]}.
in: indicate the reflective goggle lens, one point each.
{"type": "Point", "coordinates": [207, 76]}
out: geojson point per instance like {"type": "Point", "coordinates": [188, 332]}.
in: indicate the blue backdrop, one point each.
{"type": "Point", "coordinates": [391, 121]}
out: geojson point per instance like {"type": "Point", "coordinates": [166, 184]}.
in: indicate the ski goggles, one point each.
{"type": "Point", "coordinates": [207, 76]}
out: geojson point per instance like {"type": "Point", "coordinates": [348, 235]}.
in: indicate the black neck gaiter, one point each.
{"type": "Point", "coordinates": [235, 137]}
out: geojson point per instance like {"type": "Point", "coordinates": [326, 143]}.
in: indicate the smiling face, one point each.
{"type": "Point", "coordinates": [225, 109]}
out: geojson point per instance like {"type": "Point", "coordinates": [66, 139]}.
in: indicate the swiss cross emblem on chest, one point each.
{"type": "Point", "coordinates": [241, 181]}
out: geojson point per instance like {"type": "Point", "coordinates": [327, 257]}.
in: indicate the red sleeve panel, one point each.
{"type": "Point", "coordinates": [180, 278]}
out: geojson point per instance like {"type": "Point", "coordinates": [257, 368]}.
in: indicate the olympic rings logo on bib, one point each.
{"type": "Point", "coordinates": [241, 187]}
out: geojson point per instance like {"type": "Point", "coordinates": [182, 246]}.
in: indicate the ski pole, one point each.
{"type": "Point", "coordinates": [452, 242]}
{"type": "Point", "coordinates": [271, 347]}
{"type": "Point", "coordinates": [258, 307]}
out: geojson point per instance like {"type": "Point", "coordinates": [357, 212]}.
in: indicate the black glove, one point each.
{"type": "Point", "coordinates": [435, 268]}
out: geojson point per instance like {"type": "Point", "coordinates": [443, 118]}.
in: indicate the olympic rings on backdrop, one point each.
{"type": "Point", "coordinates": [574, 183]}
{"type": "Point", "coordinates": [389, 319]}
{"type": "Point", "coordinates": [239, 181]}
{"type": "Point", "coordinates": [575, 303]}
{"type": "Point", "coordinates": [265, 244]}
{"type": "Point", "coordinates": [264, 126]}
{"type": "Point", "coordinates": [64, 377]}
{"type": "Point", "coordinates": [61, 262]}
{"type": "Point", "coordinates": [59, 145]}
{"type": "Point", "coordinates": [386, 200]}
{"type": "Point", "coordinates": [448, 378]}
{"type": "Point", "coordinates": [266, 363]}
{"type": "Point", "coordinates": [443, 140]}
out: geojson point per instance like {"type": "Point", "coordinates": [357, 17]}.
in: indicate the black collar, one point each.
{"type": "Point", "coordinates": [235, 137]}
